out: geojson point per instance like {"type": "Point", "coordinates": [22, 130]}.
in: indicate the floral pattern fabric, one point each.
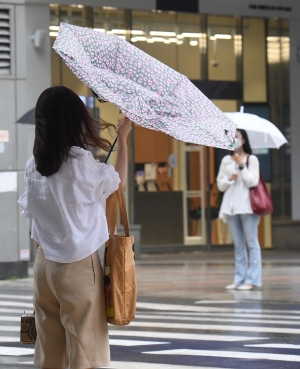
{"type": "Point", "coordinates": [147, 91]}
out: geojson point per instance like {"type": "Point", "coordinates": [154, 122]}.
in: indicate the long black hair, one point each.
{"type": "Point", "coordinates": [62, 121]}
{"type": "Point", "coordinates": [246, 144]}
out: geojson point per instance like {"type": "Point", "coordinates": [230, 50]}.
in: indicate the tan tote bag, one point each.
{"type": "Point", "coordinates": [119, 266]}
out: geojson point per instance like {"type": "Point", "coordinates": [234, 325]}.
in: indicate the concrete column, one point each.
{"type": "Point", "coordinates": [30, 74]}
{"type": "Point", "coordinates": [295, 114]}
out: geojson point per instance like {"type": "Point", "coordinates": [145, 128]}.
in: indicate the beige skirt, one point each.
{"type": "Point", "coordinates": [70, 314]}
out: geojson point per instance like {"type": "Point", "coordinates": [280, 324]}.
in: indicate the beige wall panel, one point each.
{"type": "Point", "coordinates": [166, 53]}
{"type": "Point", "coordinates": [226, 105]}
{"type": "Point", "coordinates": [223, 53]}
{"type": "Point", "coordinates": [55, 67]}
{"type": "Point", "coordinates": [254, 61]}
{"type": "Point", "coordinates": [189, 61]}
{"type": "Point", "coordinates": [177, 171]}
{"type": "Point", "coordinates": [71, 81]}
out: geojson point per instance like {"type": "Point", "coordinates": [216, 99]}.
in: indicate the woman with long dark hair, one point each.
{"type": "Point", "coordinates": [237, 174]}
{"type": "Point", "coordinates": [64, 200]}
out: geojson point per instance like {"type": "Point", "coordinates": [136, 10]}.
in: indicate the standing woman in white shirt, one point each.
{"type": "Point", "coordinates": [235, 178]}
{"type": "Point", "coordinates": [64, 201]}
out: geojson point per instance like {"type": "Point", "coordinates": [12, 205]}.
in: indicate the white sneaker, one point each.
{"type": "Point", "coordinates": [232, 286]}
{"type": "Point", "coordinates": [245, 287]}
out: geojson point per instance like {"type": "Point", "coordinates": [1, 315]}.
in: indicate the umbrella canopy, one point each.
{"type": "Point", "coordinates": [28, 118]}
{"type": "Point", "coordinates": [262, 133]}
{"type": "Point", "coordinates": [147, 91]}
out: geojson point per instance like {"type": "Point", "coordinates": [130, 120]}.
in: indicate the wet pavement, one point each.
{"type": "Point", "coordinates": [185, 318]}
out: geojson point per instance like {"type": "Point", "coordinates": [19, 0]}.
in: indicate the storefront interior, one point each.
{"type": "Point", "coordinates": [235, 61]}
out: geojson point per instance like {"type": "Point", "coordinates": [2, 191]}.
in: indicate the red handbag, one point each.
{"type": "Point", "coordinates": [260, 197]}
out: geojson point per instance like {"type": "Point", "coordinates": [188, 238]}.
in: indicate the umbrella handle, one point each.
{"type": "Point", "coordinates": [111, 149]}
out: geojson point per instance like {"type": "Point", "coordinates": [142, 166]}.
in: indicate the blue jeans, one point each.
{"type": "Point", "coordinates": [244, 229]}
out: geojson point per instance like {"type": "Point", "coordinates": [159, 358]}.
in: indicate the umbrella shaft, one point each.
{"type": "Point", "coordinates": [111, 149]}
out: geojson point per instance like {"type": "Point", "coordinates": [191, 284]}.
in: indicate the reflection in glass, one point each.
{"type": "Point", "coordinates": [278, 54]}
{"type": "Point", "coordinates": [177, 40]}
{"type": "Point", "coordinates": [224, 48]}
{"type": "Point", "coordinates": [193, 175]}
{"type": "Point", "coordinates": [194, 211]}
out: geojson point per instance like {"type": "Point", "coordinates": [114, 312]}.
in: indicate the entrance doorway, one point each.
{"type": "Point", "coordinates": [194, 222]}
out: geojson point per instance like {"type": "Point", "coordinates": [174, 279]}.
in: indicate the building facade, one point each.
{"type": "Point", "coordinates": [237, 53]}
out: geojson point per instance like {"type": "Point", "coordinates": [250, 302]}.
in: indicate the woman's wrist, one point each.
{"type": "Point", "coordinates": [122, 141]}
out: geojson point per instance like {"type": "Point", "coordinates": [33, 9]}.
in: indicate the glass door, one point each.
{"type": "Point", "coordinates": [193, 195]}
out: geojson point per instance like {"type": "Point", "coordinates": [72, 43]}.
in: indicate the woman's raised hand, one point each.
{"type": "Point", "coordinates": [124, 128]}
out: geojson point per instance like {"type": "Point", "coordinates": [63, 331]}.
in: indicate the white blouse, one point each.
{"type": "Point", "coordinates": [236, 199]}
{"type": "Point", "coordinates": [66, 211]}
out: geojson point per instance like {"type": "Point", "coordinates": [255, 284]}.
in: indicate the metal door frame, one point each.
{"type": "Point", "coordinates": [193, 240]}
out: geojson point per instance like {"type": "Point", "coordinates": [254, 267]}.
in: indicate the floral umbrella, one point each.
{"type": "Point", "coordinates": [147, 91]}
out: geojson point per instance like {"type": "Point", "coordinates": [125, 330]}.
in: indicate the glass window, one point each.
{"type": "Point", "coordinates": [177, 40]}
{"type": "Point", "coordinates": [254, 60]}
{"type": "Point", "coordinates": [224, 47]}
{"type": "Point", "coordinates": [278, 53]}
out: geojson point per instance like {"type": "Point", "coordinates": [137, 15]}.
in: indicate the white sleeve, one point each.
{"type": "Point", "coordinates": [23, 204]}
{"type": "Point", "coordinates": [222, 180]}
{"type": "Point", "coordinates": [250, 174]}
{"type": "Point", "coordinates": [106, 180]}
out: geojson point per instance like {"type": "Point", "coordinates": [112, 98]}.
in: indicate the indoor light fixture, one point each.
{"type": "Point", "coordinates": [193, 43]}
{"type": "Point", "coordinates": [191, 34]}
{"type": "Point", "coordinates": [53, 34]}
{"type": "Point", "coordinates": [99, 29]}
{"type": "Point", "coordinates": [161, 33]}
{"type": "Point", "coordinates": [138, 38]}
{"type": "Point", "coordinates": [222, 36]}
{"type": "Point", "coordinates": [54, 28]}
{"type": "Point", "coordinates": [136, 32]}
{"type": "Point", "coordinates": [119, 31]}
{"type": "Point", "coordinates": [158, 39]}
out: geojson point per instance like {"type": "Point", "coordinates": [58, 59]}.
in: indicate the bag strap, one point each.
{"type": "Point", "coordinates": [120, 194]}
{"type": "Point", "coordinates": [247, 162]}
{"type": "Point", "coordinates": [112, 211]}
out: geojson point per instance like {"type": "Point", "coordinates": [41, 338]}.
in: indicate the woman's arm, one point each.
{"type": "Point", "coordinates": [250, 174]}
{"type": "Point", "coordinates": [122, 161]}
{"type": "Point", "coordinates": [223, 183]}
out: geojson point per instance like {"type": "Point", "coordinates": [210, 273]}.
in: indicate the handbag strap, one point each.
{"type": "Point", "coordinates": [120, 194]}
{"type": "Point", "coordinates": [112, 211]}
{"type": "Point", "coordinates": [247, 162]}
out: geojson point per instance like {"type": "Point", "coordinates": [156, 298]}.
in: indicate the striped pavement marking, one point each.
{"type": "Point", "coordinates": [154, 321]}
{"type": "Point", "coordinates": [16, 297]}
{"type": "Point", "coordinates": [212, 319]}
{"type": "Point", "coordinates": [116, 342]}
{"type": "Point", "coordinates": [15, 351]}
{"type": "Point", "coordinates": [142, 365]}
{"type": "Point", "coordinates": [9, 339]}
{"type": "Point", "coordinates": [183, 336]}
{"type": "Point", "coordinates": [215, 327]}
{"type": "Point", "coordinates": [14, 303]}
{"type": "Point", "coordinates": [191, 308]}
{"type": "Point", "coordinates": [233, 314]}
{"type": "Point", "coordinates": [228, 354]}
{"type": "Point", "coordinates": [276, 345]}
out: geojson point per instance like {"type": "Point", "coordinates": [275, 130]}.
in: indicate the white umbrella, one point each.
{"type": "Point", "coordinates": [262, 133]}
